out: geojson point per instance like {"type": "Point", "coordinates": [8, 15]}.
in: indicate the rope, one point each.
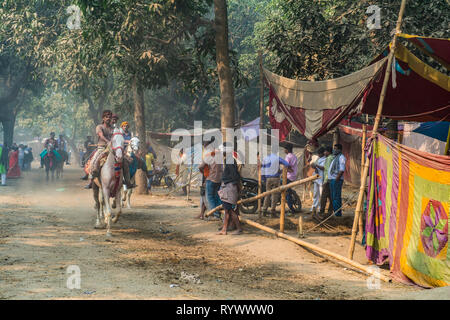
{"type": "Point", "coordinates": [331, 215]}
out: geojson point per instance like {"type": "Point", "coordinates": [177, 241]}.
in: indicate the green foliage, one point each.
{"type": "Point", "coordinates": [311, 39]}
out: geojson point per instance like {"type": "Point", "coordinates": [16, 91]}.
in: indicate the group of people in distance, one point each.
{"type": "Point", "coordinates": [14, 160]}
{"type": "Point", "coordinates": [59, 146]}
{"type": "Point", "coordinates": [330, 166]}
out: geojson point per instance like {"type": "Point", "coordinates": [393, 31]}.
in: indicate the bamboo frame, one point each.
{"type": "Point", "coordinates": [261, 121]}
{"type": "Point", "coordinates": [387, 76]}
{"type": "Point", "coordinates": [262, 195]}
{"type": "Point", "coordinates": [318, 249]}
{"type": "Point", "coordinates": [363, 158]}
{"type": "Point", "coordinates": [283, 201]}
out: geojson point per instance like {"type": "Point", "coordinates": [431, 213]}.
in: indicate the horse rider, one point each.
{"type": "Point", "coordinates": [62, 147]}
{"type": "Point", "coordinates": [48, 141]}
{"type": "Point", "coordinates": [127, 135]}
{"type": "Point", "coordinates": [104, 133]}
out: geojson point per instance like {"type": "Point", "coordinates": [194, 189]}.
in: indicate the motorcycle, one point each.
{"type": "Point", "coordinates": [162, 173]}
{"type": "Point", "coordinates": [250, 189]}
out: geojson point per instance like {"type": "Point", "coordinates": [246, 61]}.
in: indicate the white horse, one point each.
{"type": "Point", "coordinates": [110, 183]}
{"type": "Point", "coordinates": [132, 149]}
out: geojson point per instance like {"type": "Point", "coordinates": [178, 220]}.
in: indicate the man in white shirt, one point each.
{"type": "Point", "coordinates": [317, 165]}
{"type": "Point", "coordinates": [336, 178]}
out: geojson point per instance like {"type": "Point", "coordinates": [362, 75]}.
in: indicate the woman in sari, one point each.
{"type": "Point", "coordinates": [14, 170]}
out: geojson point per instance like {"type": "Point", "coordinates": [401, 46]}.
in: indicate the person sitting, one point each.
{"type": "Point", "coordinates": [104, 133]}
{"type": "Point", "coordinates": [127, 135]}
{"type": "Point", "coordinates": [47, 142]}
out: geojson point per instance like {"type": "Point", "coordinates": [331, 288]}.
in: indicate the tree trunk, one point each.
{"type": "Point", "coordinates": [223, 65]}
{"type": "Point", "coordinates": [8, 131]}
{"type": "Point", "coordinates": [139, 120]}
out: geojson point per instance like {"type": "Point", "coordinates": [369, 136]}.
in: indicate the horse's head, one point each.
{"type": "Point", "coordinates": [50, 147]}
{"type": "Point", "coordinates": [117, 145]}
{"type": "Point", "coordinates": [134, 144]}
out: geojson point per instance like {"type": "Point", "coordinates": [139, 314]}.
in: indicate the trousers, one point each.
{"type": "Point", "coordinates": [336, 196]}
{"type": "Point", "coordinates": [272, 183]}
{"type": "Point", "coordinates": [324, 197]}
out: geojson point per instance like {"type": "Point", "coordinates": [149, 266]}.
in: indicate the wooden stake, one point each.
{"type": "Point", "coordinates": [283, 201]}
{"type": "Point", "coordinates": [317, 249]}
{"type": "Point", "coordinates": [261, 122]}
{"type": "Point", "coordinates": [300, 227]}
{"type": "Point", "coordinates": [387, 77]}
{"type": "Point", "coordinates": [363, 144]}
{"type": "Point", "coordinates": [262, 195]}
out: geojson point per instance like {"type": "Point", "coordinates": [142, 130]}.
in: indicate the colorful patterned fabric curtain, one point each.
{"type": "Point", "coordinates": [408, 212]}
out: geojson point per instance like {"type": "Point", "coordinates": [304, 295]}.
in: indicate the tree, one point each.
{"type": "Point", "coordinates": [227, 105]}
{"type": "Point", "coordinates": [312, 39]}
{"type": "Point", "coordinates": [27, 28]}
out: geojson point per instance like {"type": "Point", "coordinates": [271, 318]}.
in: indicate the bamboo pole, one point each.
{"type": "Point", "coordinates": [262, 195]}
{"type": "Point", "coordinates": [259, 187]}
{"type": "Point", "coordinates": [300, 227]}
{"type": "Point", "coordinates": [387, 76]}
{"type": "Point", "coordinates": [283, 201]}
{"type": "Point", "coordinates": [261, 122]}
{"type": "Point", "coordinates": [363, 158]}
{"type": "Point", "coordinates": [190, 178]}
{"type": "Point", "coordinates": [317, 249]}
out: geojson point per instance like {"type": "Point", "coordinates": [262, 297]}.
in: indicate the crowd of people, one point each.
{"type": "Point", "coordinates": [14, 160]}
{"type": "Point", "coordinates": [221, 183]}
{"type": "Point", "coordinates": [330, 166]}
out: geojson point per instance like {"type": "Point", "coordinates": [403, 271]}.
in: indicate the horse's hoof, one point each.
{"type": "Point", "coordinates": [98, 226]}
{"type": "Point", "coordinates": [108, 234]}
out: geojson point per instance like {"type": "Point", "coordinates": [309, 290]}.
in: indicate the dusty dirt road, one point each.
{"type": "Point", "coordinates": [44, 228]}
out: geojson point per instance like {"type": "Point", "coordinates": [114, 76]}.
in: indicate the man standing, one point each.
{"type": "Point", "coordinates": [150, 163]}
{"type": "Point", "coordinates": [326, 192]}
{"type": "Point", "coordinates": [336, 177]}
{"type": "Point", "coordinates": [291, 174]}
{"type": "Point", "coordinates": [21, 156]}
{"type": "Point", "coordinates": [318, 183]}
{"type": "Point", "coordinates": [213, 181]}
{"type": "Point", "coordinates": [270, 174]}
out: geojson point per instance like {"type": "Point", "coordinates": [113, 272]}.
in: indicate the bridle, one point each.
{"type": "Point", "coordinates": [120, 146]}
